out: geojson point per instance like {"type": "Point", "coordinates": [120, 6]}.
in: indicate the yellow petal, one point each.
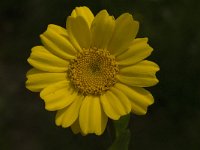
{"type": "Point", "coordinates": [92, 118]}
{"type": "Point", "coordinates": [58, 29]}
{"type": "Point", "coordinates": [142, 68]}
{"type": "Point", "coordinates": [79, 31]}
{"type": "Point", "coordinates": [141, 74]}
{"type": "Point", "coordinates": [109, 108]}
{"type": "Point", "coordinates": [139, 97]}
{"type": "Point", "coordinates": [57, 96]}
{"type": "Point", "coordinates": [75, 127]}
{"type": "Point", "coordinates": [37, 80]}
{"type": "Point", "coordinates": [88, 17]}
{"type": "Point", "coordinates": [68, 115]}
{"type": "Point", "coordinates": [42, 59]}
{"type": "Point", "coordinates": [122, 98]}
{"type": "Point", "coordinates": [102, 29]}
{"type": "Point", "coordinates": [83, 12]}
{"type": "Point", "coordinates": [138, 51]}
{"type": "Point", "coordinates": [125, 31]}
{"type": "Point", "coordinates": [115, 104]}
{"type": "Point", "coordinates": [57, 44]}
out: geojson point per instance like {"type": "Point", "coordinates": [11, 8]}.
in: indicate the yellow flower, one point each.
{"type": "Point", "coordinates": [92, 70]}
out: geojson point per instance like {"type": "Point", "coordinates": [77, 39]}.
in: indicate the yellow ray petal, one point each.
{"type": "Point", "coordinates": [139, 97]}
{"type": "Point", "coordinates": [68, 115]}
{"type": "Point", "coordinates": [138, 51]}
{"type": "Point", "coordinates": [58, 44]}
{"type": "Point", "coordinates": [83, 12]}
{"type": "Point", "coordinates": [102, 29]}
{"type": "Point", "coordinates": [92, 118]}
{"type": "Point", "coordinates": [141, 74]}
{"type": "Point", "coordinates": [37, 80]}
{"type": "Point", "coordinates": [79, 31]}
{"type": "Point", "coordinates": [141, 68]}
{"type": "Point", "coordinates": [42, 59]}
{"type": "Point", "coordinates": [122, 98]}
{"type": "Point", "coordinates": [58, 95]}
{"type": "Point", "coordinates": [58, 29]}
{"type": "Point", "coordinates": [61, 42]}
{"type": "Point", "coordinates": [125, 31]}
{"type": "Point", "coordinates": [75, 127]}
{"type": "Point", "coordinates": [108, 107]}
{"type": "Point", "coordinates": [88, 17]}
{"type": "Point", "coordinates": [115, 104]}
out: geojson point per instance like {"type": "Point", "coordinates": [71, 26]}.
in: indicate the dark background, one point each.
{"type": "Point", "coordinates": [172, 123]}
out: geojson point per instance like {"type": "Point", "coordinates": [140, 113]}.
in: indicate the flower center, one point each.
{"type": "Point", "coordinates": [93, 71]}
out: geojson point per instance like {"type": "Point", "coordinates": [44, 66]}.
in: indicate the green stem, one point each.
{"type": "Point", "coordinates": [122, 134]}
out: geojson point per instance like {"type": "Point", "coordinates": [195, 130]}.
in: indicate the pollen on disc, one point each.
{"type": "Point", "coordinates": [93, 71]}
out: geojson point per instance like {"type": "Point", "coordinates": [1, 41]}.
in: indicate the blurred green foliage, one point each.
{"type": "Point", "coordinates": [173, 29]}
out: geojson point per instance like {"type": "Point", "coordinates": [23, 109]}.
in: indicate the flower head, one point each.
{"type": "Point", "coordinates": [92, 70]}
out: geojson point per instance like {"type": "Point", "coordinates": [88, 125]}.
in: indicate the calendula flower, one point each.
{"type": "Point", "coordinates": [92, 70]}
